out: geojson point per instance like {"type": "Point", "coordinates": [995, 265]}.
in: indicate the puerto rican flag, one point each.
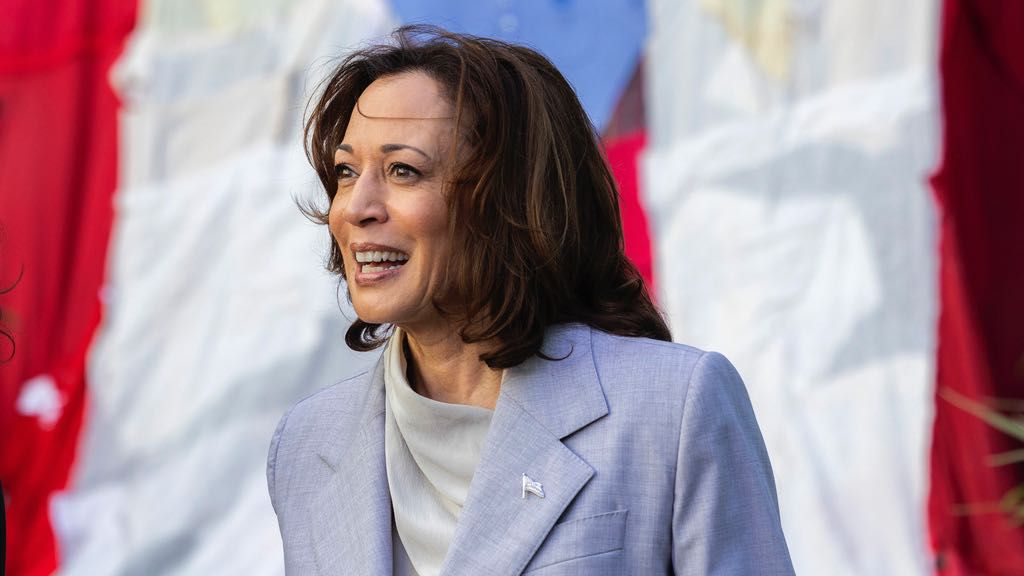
{"type": "Point", "coordinates": [829, 192]}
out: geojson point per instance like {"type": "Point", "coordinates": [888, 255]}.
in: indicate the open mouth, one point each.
{"type": "Point", "coordinates": [371, 261]}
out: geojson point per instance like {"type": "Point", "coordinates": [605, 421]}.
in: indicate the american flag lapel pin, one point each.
{"type": "Point", "coordinates": [532, 487]}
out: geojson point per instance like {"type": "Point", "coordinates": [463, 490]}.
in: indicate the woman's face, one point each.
{"type": "Point", "coordinates": [389, 216]}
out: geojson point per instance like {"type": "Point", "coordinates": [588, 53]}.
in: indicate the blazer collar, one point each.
{"type": "Point", "coordinates": [333, 448]}
{"type": "Point", "coordinates": [540, 403]}
{"type": "Point", "coordinates": [563, 394]}
{"type": "Point", "coordinates": [351, 514]}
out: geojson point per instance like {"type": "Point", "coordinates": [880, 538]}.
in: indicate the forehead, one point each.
{"type": "Point", "coordinates": [407, 108]}
{"type": "Point", "coordinates": [413, 95]}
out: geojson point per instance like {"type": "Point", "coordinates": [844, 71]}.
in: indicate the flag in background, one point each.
{"type": "Point", "coordinates": [978, 187]}
{"type": "Point", "coordinates": [58, 167]}
{"type": "Point", "coordinates": [773, 158]}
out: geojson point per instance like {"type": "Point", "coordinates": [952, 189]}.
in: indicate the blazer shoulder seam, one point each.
{"type": "Point", "coordinates": [275, 448]}
{"type": "Point", "coordinates": [682, 413]}
{"type": "Point", "coordinates": [642, 341]}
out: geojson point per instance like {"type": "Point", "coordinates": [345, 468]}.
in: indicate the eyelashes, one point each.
{"type": "Point", "coordinates": [343, 171]}
{"type": "Point", "coordinates": [403, 171]}
{"type": "Point", "coordinates": [396, 170]}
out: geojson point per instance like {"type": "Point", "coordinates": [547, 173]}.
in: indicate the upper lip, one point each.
{"type": "Point", "coordinates": [370, 247]}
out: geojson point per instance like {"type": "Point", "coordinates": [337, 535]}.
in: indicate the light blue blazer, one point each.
{"type": "Point", "coordinates": [648, 453]}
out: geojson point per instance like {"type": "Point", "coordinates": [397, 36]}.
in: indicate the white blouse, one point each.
{"type": "Point", "coordinates": [431, 450]}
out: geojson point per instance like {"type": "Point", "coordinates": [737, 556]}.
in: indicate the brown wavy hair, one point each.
{"type": "Point", "coordinates": [536, 236]}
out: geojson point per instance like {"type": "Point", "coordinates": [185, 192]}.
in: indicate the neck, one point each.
{"type": "Point", "coordinates": [444, 368]}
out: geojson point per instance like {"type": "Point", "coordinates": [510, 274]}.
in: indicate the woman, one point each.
{"type": "Point", "coordinates": [528, 413]}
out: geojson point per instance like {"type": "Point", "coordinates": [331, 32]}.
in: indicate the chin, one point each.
{"type": "Point", "coordinates": [372, 316]}
{"type": "Point", "coordinates": [377, 312]}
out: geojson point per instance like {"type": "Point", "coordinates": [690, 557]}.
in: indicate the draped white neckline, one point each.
{"type": "Point", "coordinates": [431, 451]}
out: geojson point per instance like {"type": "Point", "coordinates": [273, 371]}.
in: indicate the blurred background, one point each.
{"type": "Point", "coordinates": [830, 192]}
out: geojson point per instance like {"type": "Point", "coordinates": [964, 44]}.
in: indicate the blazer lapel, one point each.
{"type": "Point", "coordinates": [541, 402]}
{"type": "Point", "coordinates": [351, 515]}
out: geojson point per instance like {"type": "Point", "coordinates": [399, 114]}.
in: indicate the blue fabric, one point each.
{"type": "Point", "coordinates": [595, 45]}
{"type": "Point", "coordinates": [648, 452]}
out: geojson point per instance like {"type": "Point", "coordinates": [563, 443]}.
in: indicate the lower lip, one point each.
{"type": "Point", "coordinates": [371, 278]}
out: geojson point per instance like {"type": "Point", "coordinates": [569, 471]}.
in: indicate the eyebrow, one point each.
{"type": "Point", "coordinates": [387, 148]}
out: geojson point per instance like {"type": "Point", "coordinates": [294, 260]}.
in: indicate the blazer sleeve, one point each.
{"type": "Point", "coordinates": [275, 443]}
{"type": "Point", "coordinates": [725, 516]}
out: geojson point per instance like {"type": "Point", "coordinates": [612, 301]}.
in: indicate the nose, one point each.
{"type": "Point", "coordinates": [364, 203]}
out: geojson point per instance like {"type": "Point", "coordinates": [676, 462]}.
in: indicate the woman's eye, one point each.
{"type": "Point", "coordinates": [343, 171]}
{"type": "Point", "coordinates": [403, 171]}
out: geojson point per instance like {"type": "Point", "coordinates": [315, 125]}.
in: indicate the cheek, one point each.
{"type": "Point", "coordinates": [335, 222]}
{"type": "Point", "coordinates": [336, 226]}
{"type": "Point", "coordinates": [433, 217]}
{"type": "Point", "coordinates": [434, 224]}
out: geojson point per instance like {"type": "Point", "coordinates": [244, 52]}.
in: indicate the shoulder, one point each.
{"type": "Point", "coordinates": [639, 352]}
{"type": "Point", "coordinates": [341, 402]}
{"type": "Point", "coordinates": [682, 384]}
{"type": "Point", "coordinates": [337, 399]}
{"type": "Point", "coordinates": [632, 361]}
{"type": "Point", "coordinates": [699, 395]}
{"type": "Point", "coordinates": [331, 413]}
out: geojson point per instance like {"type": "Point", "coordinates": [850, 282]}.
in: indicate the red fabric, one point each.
{"type": "Point", "coordinates": [623, 154]}
{"type": "Point", "coordinates": [58, 152]}
{"type": "Point", "coordinates": [980, 191]}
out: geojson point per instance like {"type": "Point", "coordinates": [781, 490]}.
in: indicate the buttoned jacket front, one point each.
{"type": "Point", "coordinates": [648, 452]}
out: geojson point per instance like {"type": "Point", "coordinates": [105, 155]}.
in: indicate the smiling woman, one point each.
{"type": "Point", "coordinates": [389, 216]}
{"type": "Point", "coordinates": [528, 413]}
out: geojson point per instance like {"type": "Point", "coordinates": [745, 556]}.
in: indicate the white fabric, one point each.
{"type": "Point", "coordinates": [790, 143]}
{"type": "Point", "coordinates": [219, 314]}
{"type": "Point", "coordinates": [400, 562]}
{"type": "Point", "coordinates": [431, 451]}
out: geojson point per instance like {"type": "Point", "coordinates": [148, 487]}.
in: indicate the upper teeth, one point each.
{"type": "Point", "coordinates": [377, 256]}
